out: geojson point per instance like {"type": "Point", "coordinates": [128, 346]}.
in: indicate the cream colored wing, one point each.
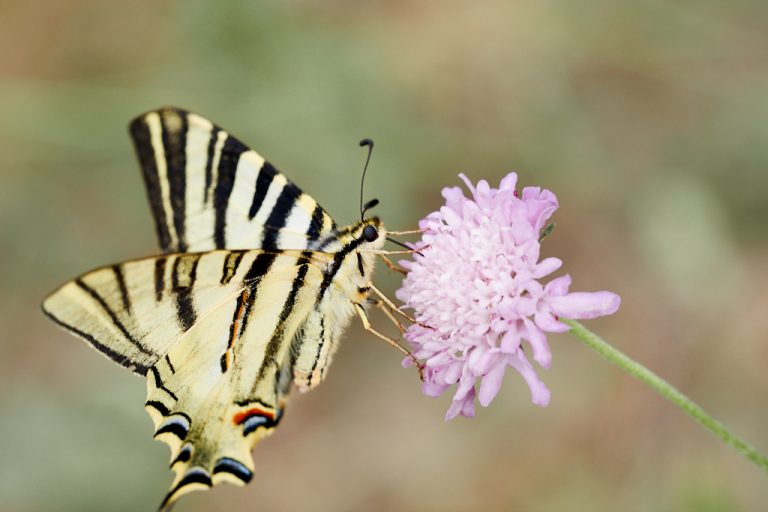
{"type": "Point", "coordinates": [223, 385]}
{"type": "Point", "coordinates": [209, 191]}
{"type": "Point", "coordinates": [135, 311]}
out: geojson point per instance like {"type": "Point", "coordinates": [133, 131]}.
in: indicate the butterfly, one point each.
{"type": "Point", "coordinates": [253, 290]}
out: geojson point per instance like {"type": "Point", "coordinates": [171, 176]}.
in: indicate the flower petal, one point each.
{"type": "Point", "coordinates": [464, 407]}
{"type": "Point", "coordinates": [491, 383]}
{"type": "Point", "coordinates": [546, 321]}
{"type": "Point", "coordinates": [558, 286]}
{"type": "Point", "coordinates": [433, 388]}
{"type": "Point", "coordinates": [454, 198]}
{"type": "Point", "coordinates": [508, 182]}
{"type": "Point", "coordinates": [480, 361]}
{"type": "Point", "coordinates": [468, 183]}
{"type": "Point", "coordinates": [538, 342]}
{"type": "Point", "coordinates": [466, 384]}
{"type": "Point", "coordinates": [452, 374]}
{"type": "Point", "coordinates": [585, 305]}
{"type": "Point", "coordinates": [540, 205]}
{"type": "Point", "coordinates": [510, 342]}
{"type": "Point", "coordinates": [546, 267]}
{"type": "Point", "coordinates": [451, 217]}
{"type": "Point", "coordinates": [539, 392]}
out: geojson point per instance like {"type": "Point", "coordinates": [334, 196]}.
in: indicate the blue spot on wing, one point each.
{"type": "Point", "coordinates": [253, 422]}
{"type": "Point", "coordinates": [234, 467]}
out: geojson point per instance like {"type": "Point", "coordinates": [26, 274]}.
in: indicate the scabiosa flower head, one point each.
{"type": "Point", "coordinates": [477, 295]}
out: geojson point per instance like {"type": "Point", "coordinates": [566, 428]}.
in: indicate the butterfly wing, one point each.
{"type": "Point", "coordinates": [209, 191]}
{"type": "Point", "coordinates": [212, 332]}
{"type": "Point", "coordinates": [135, 311]}
{"type": "Point", "coordinates": [232, 374]}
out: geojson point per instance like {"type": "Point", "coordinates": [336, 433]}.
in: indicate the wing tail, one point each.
{"type": "Point", "coordinates": [205, 454]}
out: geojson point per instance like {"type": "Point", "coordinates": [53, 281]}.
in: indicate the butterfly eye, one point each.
{"type": "Point", "coordinates": [370, 234]}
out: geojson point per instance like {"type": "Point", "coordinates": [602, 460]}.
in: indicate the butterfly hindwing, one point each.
{"type": "Point", "coordinates": [209, 191]}
{"type": "Point", "coordinates": [223, 385]}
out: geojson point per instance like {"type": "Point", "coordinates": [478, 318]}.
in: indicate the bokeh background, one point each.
{"type": "Point", "coordinates": [647, 118]}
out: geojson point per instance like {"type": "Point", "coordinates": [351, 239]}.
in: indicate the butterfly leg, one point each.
{"type": "Point", "coordinates": [384, 309]}
{"type": "Point", "coordinates": [391, 265]}
{"type": "Point", "coordinates": [394, 308]}
{"type": "Point", "coordinates": [393, 343]}
{"type": "Point", "coordinates": [409, 232]}
{"type": "Point", "coordinates": [383, 252]}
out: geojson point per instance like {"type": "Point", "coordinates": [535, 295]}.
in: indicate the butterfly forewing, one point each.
{"type": "Point", "coordinates": [135, 311]}
{"type": "Point", "coordinates": [207, 190]}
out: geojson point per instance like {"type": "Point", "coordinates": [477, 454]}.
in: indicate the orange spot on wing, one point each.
{"type": "Point", "coordinates": [238, 318]}
{"type": "Point", "coordinates": [240, 417]}
{"type": "Point", "coordinates": [235, 328]}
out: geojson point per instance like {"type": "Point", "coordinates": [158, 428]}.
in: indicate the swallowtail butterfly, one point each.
{"type": "Point", "coordinates": [253, 290]}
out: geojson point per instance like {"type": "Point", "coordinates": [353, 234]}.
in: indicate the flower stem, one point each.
{"type": "Point", "coordinates": [666, 390]}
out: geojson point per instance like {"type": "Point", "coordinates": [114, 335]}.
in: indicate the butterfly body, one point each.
{"type": "Point", "coordinates": [251, 296]}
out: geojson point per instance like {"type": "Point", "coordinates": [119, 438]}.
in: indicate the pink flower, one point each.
{"type": "Point", "coordinates": [475, 289]}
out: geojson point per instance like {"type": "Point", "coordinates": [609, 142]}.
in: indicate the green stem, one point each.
{"type": "Point", "coordinates": [666, 390]}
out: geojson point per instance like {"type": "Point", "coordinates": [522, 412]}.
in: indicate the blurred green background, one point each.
{"type": "Point", "coordinates": [647, 118]}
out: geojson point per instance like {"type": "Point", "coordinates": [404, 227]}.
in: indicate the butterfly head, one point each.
{"type": "Point", "coordinates": [365, 239]}
{"type": "Point", "coordinates": [369, 234]}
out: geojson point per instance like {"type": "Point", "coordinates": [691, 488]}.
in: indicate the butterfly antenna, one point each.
{"type": "Point", "coordinates": [370, 204]}
{"type": "Point", "coordinates": [401, 244]}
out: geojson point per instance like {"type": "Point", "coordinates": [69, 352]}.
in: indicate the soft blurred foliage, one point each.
{"type": "Point", "coordinates": [647, 118]}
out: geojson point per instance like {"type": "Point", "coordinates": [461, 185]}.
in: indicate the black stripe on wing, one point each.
{"type": "Point", "coordinates": [159, 278]}
{"type": "Point", "coordinates": [120, 280]}
{"type": "Point", "coordinates": [113, 316]}
{"type": "Point", "coordinates": [278, 334]}
{"type": "Point", "coordinates": [266, 174]}
{"type": "Point", "coordinates": [120, 359]}
{"type": "Point", "coordinates": [225, 181]}
{"type": "Point", "coordinates": [159, 384]}
{"type": "Point", "coordinates": [212, 141]}
{"type": "Point", "coordinates": [174, 127]}
{"type": "Point", "coordinates": [258, 268]}
{"type": "Point", "coordinates": [158, 406]}
{"type": "Point", "coordinates": [316, 224]}
{"type": "Point", "coordinates": [142, 141]}
{"type": "Point", "coordinates": [231, 264]}
{"type": "Point", "coordinates": [182, 282]}
{"type": "Point", "coordinates": [279, 215]}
